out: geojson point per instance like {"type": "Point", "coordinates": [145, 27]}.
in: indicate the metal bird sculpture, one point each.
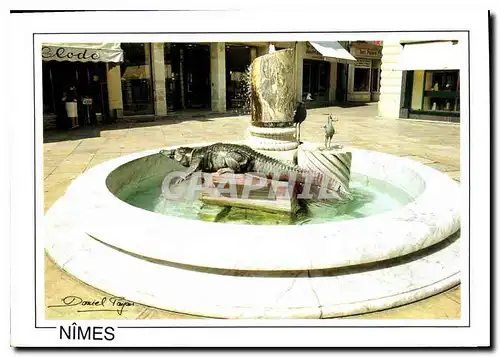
{"type": "Point", "coordinates": [300, 115]}
{"type": "Point", "coordinates": [329, 132]}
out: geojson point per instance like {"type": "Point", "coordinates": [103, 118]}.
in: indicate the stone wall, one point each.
{"type": "Point", "coordinates": [114, 84]}
{"type": "Point", "coordinates": [390, 81]}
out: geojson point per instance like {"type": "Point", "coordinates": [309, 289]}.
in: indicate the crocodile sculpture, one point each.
{"type": "Point", "coordinates": [239, 159]}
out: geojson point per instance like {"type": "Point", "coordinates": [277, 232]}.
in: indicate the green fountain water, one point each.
{"type": "Point", "coordinates": [371, 196]}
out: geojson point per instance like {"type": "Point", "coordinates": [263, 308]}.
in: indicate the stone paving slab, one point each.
{"type": "Point", "coordinates": [454, 175]}
{"type": "Point", "coordinates": [423, 160]}
{"type": "Point", "coordinates": [67, 154]}
{"type": "Point", "coordinates": [443, 167]}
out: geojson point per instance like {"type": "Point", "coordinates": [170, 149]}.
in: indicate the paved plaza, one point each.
{"type": "Point", "coordinates": [69, 154]}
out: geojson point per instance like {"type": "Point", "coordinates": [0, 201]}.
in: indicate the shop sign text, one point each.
{"type": "Point", "coordinates": [68, 53]}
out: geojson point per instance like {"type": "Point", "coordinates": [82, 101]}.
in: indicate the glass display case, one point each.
{"type": "Point", "coordinates": [441, 91]}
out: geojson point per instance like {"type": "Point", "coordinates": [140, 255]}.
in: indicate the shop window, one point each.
{"type": "Point", "coordinates": [195, 61]}
{"type": "Point", "coordinates": [441, 91]}
{"type": "Point", "coordinates": [237, 67]}
{"type": "Point", "coordinates": [172, 85]}
{"type": "Point", "coordinates": [316, 80]}
{"type": "Point", "coordinates": [375, 80]}
{"type": "Point", "coordinates": [323, 78]}
{"type": "Point", "coordinates": [137, 89]}
{"type": "Point", "coordinates": [187, 75]}
{"type": "Point", "coordinates": [49, 97]}
{"type": "Point", "coordinates": [361, 79]}
{"type": "Point", "coordinates": [306, 81]}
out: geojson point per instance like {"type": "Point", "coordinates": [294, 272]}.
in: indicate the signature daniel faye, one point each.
{"type": "Point", "coordinates": [114, 303]}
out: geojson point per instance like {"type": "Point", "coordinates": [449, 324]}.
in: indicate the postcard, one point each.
{"type": "Point", "coordinates": [190, 178]}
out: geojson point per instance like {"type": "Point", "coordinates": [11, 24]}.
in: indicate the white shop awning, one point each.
{"type": "Point", "coordinates": [82, 52]}
{"type": "Point", "coordinates": [333, 49]}
{"type": "Point", "coordinates": [432, 56]}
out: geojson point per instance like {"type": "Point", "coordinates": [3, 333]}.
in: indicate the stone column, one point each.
{"type": "Point", "coordinates": [253, 54]}
{"type": "Point", "coordinates": [159, 90]}
{"type": "Point", "coordinates": [218, 76]}
{"type": "Point", "coordinates": [114, 84]}
{"type": "Point", "coordinates": [148, 70]}
{"type": "Point", "coordinates": [147, 60]}
{"type": "Point", "coordinates": [181, 78]}
{"type": "Point", "coordinates": [350, 82]}
{"type": "Point", "coordinates": [300, 51]}
{"type": "Point", "coordinates": [262, 50]}
{"type": "Point", "coordinates": [273, 104]}
{"type": "Point", "coordinates": [390, 80]}
{"type": "Point", "coordinates": [333, 82]}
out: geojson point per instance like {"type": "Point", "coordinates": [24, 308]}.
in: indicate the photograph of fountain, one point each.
{"type": "Point", "coordinates": [252, 180]}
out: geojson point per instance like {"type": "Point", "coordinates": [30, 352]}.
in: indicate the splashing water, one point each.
{"type": "Point", "coordinates": [246, 108]}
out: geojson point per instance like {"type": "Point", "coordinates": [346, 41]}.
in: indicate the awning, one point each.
{"type": "Point", "coordinates": [82, 52]}
{"type": "Point", "coordinates": [333, 49]}
{"type": "Point", "coordinates": [432, 56]}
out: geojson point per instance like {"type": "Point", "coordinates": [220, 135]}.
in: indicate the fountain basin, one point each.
{"type": "Point", "coordinates": [431, 216]}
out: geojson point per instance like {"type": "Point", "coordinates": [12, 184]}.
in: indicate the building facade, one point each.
{"type": "Point", "coordinates": [154, 79]}
{"type": "Point", "coordinates": [364, 74]}
{"type": "Point", "coordinates": [77, 74]}
{"type": "Point", "coordinates": [421, 80]}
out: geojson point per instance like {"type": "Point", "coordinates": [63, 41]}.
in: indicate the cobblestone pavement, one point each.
{"type": "Point", "coordinates": [69, 154]}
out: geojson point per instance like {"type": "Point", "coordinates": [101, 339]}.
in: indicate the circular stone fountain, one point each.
{"type": "Point", "coordinates": [367, 261]}
{"type": "Point", "coordinates": [395, 242]}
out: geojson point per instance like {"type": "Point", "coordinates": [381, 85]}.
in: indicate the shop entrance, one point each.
{"type": "Point", "coordinates": [187, 75]}
{"type": "Point", "coordinates": [237, 63]}
{"type": "Point", "coordinates": [316, 80]}
{"type": "Point", "coordinates": [83, 81]}
{"type": "Point", "coordinates": [137, 85]}
{"type": "Point", "coordinates": [341, 88]}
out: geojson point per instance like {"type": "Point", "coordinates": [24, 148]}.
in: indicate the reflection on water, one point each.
{"type": "Point", "coordinates": [370, 197]}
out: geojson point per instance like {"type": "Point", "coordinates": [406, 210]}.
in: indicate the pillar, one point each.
{"type": "Point", "coordinates": [218, 76]}
{"type": "Point", "coordinates": [262, 50]}
{"type": "Point", "coordinates": [114, 84]}
{"type": "Point", "coordinates": [181, 78]}
{"type": "Point", "coordinates": [390, 80]}
{"type": "Point", "coordinates": [253, 54]}
{"type": "Point", "coordinates": [350, 82]}
{"type": "Point", "coordinates": [300, 51]}
{"type": "Point", "coordinates": [333, 82]}
{"type": "Point", "coordinates": [159, 90]}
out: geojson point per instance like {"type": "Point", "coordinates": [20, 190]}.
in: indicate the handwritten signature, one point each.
{"type": "Point", "coordinates": [114, 303]}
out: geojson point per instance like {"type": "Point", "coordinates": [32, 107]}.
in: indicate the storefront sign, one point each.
{"type": "Point", "coordinates": [82, 52]}
{"type": "Point", "coordinates": [331, 51]}
{"type": "Point", "coordinates": [312, 53]}
{"type": "Point", "coordinates": [65, 53]}
{"type": "Point", "coordinates": [367, 52]}
{"type": "Point", "coordinates": [363, 63]}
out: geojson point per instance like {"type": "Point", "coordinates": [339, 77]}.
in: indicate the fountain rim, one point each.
{"type": "Point", "coordinates": [298, 247]}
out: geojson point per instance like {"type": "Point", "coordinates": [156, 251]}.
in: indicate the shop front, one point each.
{"type": "Point", "coordinates": [136, 79]}
{"type": "Point", "coordinates": [238, 60]}
{"type": "Point", "coordinates": [74, 80]}
{"type": "Point", "coordinates": [323, 69]}
{"type": "Point", "coordinates": [364, 74]}
{"type": "Point", "coordinates": [187, 75]}
{"type": "Point", "coordinates": [316, 80]}
{"type": "Point", "coordinates": [431, 80]}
